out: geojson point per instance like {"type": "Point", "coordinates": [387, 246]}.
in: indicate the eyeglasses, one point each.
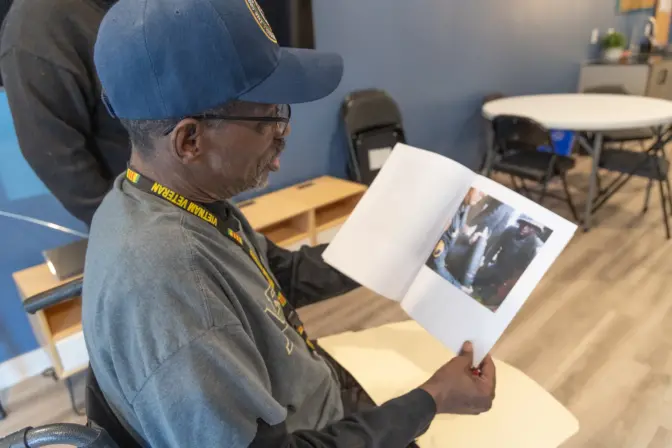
{"type": "Point", "coordinates": [281, 118]}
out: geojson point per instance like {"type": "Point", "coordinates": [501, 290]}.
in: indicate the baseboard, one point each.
{"type": "Point", "coordinates": [22, 367]}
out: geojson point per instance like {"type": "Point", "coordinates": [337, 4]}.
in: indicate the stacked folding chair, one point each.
{"type": "Point", "coordinates": [373, 126]}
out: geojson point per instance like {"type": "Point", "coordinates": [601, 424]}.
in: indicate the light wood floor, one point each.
{"type": "Point", "coordinates": [596, 333]}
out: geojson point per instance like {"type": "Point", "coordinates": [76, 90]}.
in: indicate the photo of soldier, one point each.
{"type": "Point", "coordinates": [486, 247]}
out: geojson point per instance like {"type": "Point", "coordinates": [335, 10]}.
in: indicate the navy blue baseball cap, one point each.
{"type": "Point", "coordinates": [159, 59]}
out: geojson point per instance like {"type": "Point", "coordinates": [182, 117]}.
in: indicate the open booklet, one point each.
{"type": "Point", "coordinates": [460, 252]}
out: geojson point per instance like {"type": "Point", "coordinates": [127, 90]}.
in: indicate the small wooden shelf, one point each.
{"type": "Point", "coordinates": [332, 223]}
{"type": "Point", "coordinates": [298, 213]}
{"type": "Point", "coordinates": [268, 210]}
{"type": "Point", "coordinates": [325, 190]}
{"type": "Point", "coordinates": [55, 327]}
{"type": "Point", "coordinates": [284, 234]}
{"type": "Point", "coordinates": [64, 319]}
{"type": "Point", "coordinates": [335, 213]}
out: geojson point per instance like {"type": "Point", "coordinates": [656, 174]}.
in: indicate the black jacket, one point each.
{"type": "Point", "coordinates": [65, 133]}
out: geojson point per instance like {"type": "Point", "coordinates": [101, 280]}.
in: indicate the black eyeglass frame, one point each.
{"type": "Point", "coordinates": [239, 118]}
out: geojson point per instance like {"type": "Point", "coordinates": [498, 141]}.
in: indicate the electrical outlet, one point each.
{"type": "Point", "coordinates": [595, 36]}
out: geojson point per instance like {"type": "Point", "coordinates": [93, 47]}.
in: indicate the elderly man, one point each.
{"type": "Point", "coordinates": [188, 313]}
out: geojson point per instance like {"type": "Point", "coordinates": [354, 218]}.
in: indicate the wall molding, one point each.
{"type": "Point", "coordinates": [22, 367]}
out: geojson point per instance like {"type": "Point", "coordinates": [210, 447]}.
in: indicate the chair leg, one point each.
{"type": "Point", "coordinates": [570, 201]}
{"type": "Point", "coordinates": [3, 413]}
{"type": "Point", "coordinates": [550, 171]}
{"type": "Point", "coordinates": [544, 188]}
{"type": "Point", "coordinates": [669, 193]}
{"type": "Point", "coordinates": [648, 196]}
{"type": "Point", "coordinates": [663, 200]}
{"type": "Point", "coordinates": [514, 182]}
{"type": "Point", "coordinates": [666, 177]}
{"type": "Point", "coordinates": [526, 191]}
{"type": "Point", "coordinates": [663, 181]}
{"type": "Point", "coordinates": [73, 403]}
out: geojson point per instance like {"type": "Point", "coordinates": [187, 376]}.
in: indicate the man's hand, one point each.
{"type": "Point", "coordinates": [457, 390]}
{"type": "Point", "coordinates": [467, 289]}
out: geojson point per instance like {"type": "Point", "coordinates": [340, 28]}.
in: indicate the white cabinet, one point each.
{"type": "Point", "coordinates": [652, 79]}
{"type": "Point", "coordinates": [73, 354]}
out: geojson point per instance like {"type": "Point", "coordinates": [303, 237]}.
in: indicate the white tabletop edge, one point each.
{"type": "Point", "coordinates": [585, 112]}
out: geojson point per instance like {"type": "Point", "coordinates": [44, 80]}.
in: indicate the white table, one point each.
{"type": "Point", "coordinates": [594, 113]}
{"type": "Point", "coordinates": [387, 362]}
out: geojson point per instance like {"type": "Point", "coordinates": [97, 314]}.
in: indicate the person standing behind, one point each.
{"type": "Point", "coordinates": [64, 130]}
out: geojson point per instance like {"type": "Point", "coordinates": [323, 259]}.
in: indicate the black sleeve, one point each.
{"type": "Point", "coordinates": [394, 424]}
{"type": "Point", "coordinates": [304, 276]}
{"type": "Point", "coordinates": [53, 126]}
{"type": "Point", "coordinates": [224, 393]}
{"type": "Point", "coordinates": [495, 243]}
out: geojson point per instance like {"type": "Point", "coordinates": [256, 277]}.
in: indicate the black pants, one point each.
{"type": "Point", "coordinates": [353, 395]}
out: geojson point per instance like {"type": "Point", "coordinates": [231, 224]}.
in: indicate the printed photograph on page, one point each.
{"type": "Point", "coordinates": [486, 247]}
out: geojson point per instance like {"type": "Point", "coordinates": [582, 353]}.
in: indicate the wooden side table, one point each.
{"type": "Point", "coordinates": [309, 213]}
{"type": "Point", "coordinates": [58, 328]}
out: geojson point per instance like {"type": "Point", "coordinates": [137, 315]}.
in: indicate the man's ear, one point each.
{"type": "Point", "coordinates": [186, 140]}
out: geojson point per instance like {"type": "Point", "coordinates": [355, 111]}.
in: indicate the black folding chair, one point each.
{"type": "Point", "coordinates": [516, 153]}
{"type": "Point", "coordinates": [651, 164]}
{"type": "Point", "coordinates": [490, 141]}
{"type": "Point", "coordinates": [372, 122]}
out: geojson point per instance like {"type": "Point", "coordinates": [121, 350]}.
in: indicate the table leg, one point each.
{"type": "Point", "coordinates": [73, 403]}
{"type": "Point", "coordinates": [490, 154]}
{"type": "Point", "coordinates": [595, 152]}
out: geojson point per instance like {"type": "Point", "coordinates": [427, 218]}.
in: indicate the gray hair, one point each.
{"type": "Point", "coordinates": [142, 133]}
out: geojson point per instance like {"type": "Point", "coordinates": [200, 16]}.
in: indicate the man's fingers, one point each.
{"type": "Point", "coordinates": [467, 349]}
{"type": "Point", "coordinates": [488, 370]}
{"type": "Point", "coordinates": [468, 352]}
{"type": "Point", "coordinates": [488, 367]}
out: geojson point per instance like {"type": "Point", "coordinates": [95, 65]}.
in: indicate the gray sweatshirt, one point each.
{"type": "Point", "coordinates": [190, 350]}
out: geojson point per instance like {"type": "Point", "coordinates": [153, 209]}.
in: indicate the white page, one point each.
{"type": "Point", "coordinates": [387, 237]}
{"type": "Point", "coordinates": [450, 313]}
{"type": "Point", "coordinates": [378, 157]}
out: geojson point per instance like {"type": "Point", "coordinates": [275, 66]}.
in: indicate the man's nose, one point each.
{"type": "Point", "coordinates": [288, 130]}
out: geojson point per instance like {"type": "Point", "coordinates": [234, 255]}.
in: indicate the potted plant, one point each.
{"type": "Point", "coordinates": [613, 45]}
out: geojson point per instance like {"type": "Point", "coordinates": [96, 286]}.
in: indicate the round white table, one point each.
{"type": "Point", "coordinates": [594, 113]}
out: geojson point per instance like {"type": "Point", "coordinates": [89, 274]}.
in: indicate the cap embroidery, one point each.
{"type": "Point", "coordinates": [260, 18]}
